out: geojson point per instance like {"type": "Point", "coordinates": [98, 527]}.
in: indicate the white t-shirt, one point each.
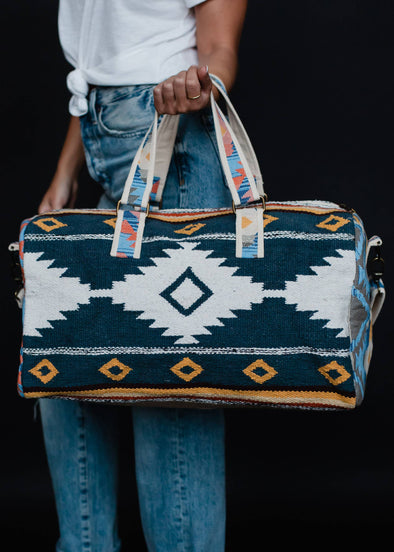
{"type": "Point", "coordinates": [124, 42]}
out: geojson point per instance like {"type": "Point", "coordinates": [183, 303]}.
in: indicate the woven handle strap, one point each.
{"type": "Point", "coordinates": [148, 172]}
{"type": "Point", "coordinates": [244, 145]}
{"type": "Point", "coordinates": [242, 136]}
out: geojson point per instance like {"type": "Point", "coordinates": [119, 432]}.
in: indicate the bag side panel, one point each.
{"type": "Point", "coordinates": [360, 313]}
{"type": "Point", "coordinates": [22, 231]}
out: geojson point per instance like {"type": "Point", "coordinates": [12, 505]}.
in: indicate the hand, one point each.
{"type": "Point", "coordinates": [174, 95]}
{"type": "Point", "coordinates": [61, 193]}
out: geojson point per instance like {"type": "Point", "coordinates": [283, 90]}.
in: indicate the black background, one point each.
{"type": "Point", "coordinates": [315, 92]}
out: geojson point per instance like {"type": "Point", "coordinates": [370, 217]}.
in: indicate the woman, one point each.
{"type": "Point", "coordinates": [130, 58]}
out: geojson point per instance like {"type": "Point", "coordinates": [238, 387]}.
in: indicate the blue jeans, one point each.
{"type": "Point", "coordinates": [179, 453]}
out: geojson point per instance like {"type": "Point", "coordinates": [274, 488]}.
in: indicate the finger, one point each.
{"type": "Point", "coordinates": [179, 84]}
{"type": "Point", "coordinates": [47, 204]}
{"type": "Point", "coordinates": [193, 87]}
{"type": "Point", "coordinates": [74, 195]}
{"type": "Point", "coordinates": [169, 96]}
{"type": "Point", "coordinates": [43, 207]}
{"type": "Point", "coordinates": [158, 99]}
{"type": "Point", "coordinates": [204, 78]}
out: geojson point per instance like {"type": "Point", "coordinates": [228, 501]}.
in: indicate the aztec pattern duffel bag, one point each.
{"type": "Point", "coordinates": [266, 304]}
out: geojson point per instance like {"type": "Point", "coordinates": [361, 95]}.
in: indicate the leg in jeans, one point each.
{"type": "Point", "coordinates": [81, 443]}
{"type": "Point", "coordinates": [179, 457]}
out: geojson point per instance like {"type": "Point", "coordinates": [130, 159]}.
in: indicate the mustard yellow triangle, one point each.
{"type": "Point", "coordinates": [246, 222]}
{"type": "Point", "coordinates": [111, 222]}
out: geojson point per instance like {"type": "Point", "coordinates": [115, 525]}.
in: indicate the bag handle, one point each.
{"type": "Point", "coordinates": [149, 169]}
{"type": "Point", "coordinates": [242, 137]}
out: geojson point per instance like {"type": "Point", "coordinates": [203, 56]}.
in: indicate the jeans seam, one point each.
{"type": "Point", "coordinates": [180, 484]}
{"type": "Point", "coordinates": [100, 165]}
{"type": "Point", "coordinates": [84, 508]}
{"type": "Point", "coordinates": [95, 159]}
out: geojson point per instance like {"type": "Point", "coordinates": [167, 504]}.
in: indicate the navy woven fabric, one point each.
{"type": "Point", "coordinates": [189, 322]}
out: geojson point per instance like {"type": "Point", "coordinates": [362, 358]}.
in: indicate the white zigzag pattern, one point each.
{"type": "Point", "coordinates": [326, 293]}
{"type": "Point", "coordinates": [97, 351]}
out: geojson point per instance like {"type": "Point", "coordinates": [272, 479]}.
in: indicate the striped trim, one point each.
{"type": "Point", "coordinates": [307, 236]}
{"type": "Point", "coordinates": [184, 215]}
{"type": "Point", "coordinates": [97, 351]}
{"type": "Point", "coordinates": [216, 401]}
{"type": "Point", "coordinates": [69, 237]}
{"type": "Point", "coordinates": [304, 209]}
{"type": "Point", "coordinates": [189, 214]}
{"type": "Point", "coordinates": [279, 234]}
{"type": "Point", "coordinates": [304, 398]}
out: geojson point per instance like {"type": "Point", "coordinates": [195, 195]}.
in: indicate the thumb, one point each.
{"type": "Point", "coordinates": [44, 207]}
{"type": "Point", "coordinates": [204, 78]}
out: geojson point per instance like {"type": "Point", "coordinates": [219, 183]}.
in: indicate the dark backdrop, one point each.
{"type": "Point", "coordinates": [315, 92]}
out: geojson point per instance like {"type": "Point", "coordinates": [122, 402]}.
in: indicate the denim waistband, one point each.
{"type": "Point", "coordinates": [108, 94]}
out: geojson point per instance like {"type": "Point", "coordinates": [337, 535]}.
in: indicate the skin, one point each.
{"type": "Point", "coordinates": [219, 25]}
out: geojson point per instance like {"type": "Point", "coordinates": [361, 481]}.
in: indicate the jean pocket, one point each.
{"type": "Point", "coordinates": [129, 112]}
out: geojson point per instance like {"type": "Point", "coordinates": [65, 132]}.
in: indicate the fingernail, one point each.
{"type": "Point", "coordinates": [206, 67]}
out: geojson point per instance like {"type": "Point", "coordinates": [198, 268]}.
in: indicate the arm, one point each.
{"type": "Point", "coordinates": [64, 186]}
{"type": "Point", "coordinates": [219, 26]}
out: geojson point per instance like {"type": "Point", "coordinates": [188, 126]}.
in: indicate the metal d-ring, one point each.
{"type": "Point", "coordinates": [129, 207]}
{"type": "Point", "coordinates": [258, 203]}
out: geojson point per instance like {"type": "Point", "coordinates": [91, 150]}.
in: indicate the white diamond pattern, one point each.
{"type": "Point", "coordinates": [187, 293]}
{"type": "Point", "coordinates": [229, 292]}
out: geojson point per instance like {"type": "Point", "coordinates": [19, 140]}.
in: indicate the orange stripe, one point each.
{"type": "Point", "coordinates": [182, 216]}
{"type": "Point", "coordinates": [285, 397]}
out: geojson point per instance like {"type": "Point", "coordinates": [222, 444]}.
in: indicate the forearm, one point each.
{"type": "Point", "coordinates": [72, 155]}
{"type": "Point", "coordinates": [218, 31]}
{"type": "Point", "coordinates": [63, 189]}
{"type": "Point", "coordinates": [219, 25]}
{"type": "Point", "coordinates": [222, 62]}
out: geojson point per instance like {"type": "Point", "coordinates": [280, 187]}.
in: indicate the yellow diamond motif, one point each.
{"type": "Point", "coordinates": [260, 378]}
{"type": "Point", "coordinates": [49, 223]}
{"type": "Point", "coordinates": [111, 222]}
{"type": "Point", "coordinates": [268, 219]}
{"type": "Point", "coordinates": [186, 363]}
{"type": "Point", "coordinates": [44, 371]}
{"type": "Point", "coordinates": [333, 222]}
{"type": "Point", "coordinates": [190, 229]}
{"type": "Point", "coordinates": [121, 369]}
{"type": "Point", "coordinates": [342, 374]}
